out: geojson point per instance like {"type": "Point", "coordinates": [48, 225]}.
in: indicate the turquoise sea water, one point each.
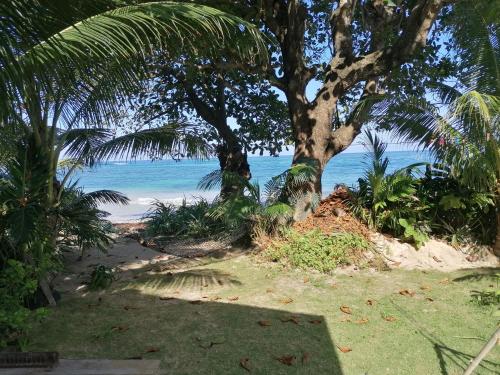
{"type": "Point", "coordinates": [170, 181]}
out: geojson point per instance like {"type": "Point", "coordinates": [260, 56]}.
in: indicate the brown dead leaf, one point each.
{"type": "Point", "coordinates": [407, 292]}
{"type": "Point", "coordinates": [436, 259]}
{"type": "Point", "coordinates": [119, 328]}
{"type": "Point", "coordinates": [344, 349]}
{"type": "Point", "coordinates": [269, 290]}
{"type": "Point", "coordinates": [306, 280]}
{"type": "Point", "coordinates": [345, 309]}
{"type": "Point", "coordinates": [370, 302]}
{"type": "Point", "coordinates": [264, 323]}
{"type": "Point", "coordinates": [361, 321]}
{"type": "Point", "coordinates": [429, 299]}
{"type": "Point", "coordinates": [286, 300]}
{"type": "Point", "coordinates": [389, 318]}
{"type": "Point", "coordinates": [245, 363]}
{"type": "Point", "coordinates": [234, 298]}
{"type": "Point", "coordinates": [315, 321]}
{"type": "Point", "coordinates": [291, 318]}
{"type": "Point", "coordinates": [425, 287]}
{"type": "Point", "coordinates": [152, 349]}
{"type": "Point", "coordinates": [305, 357]}
{"type": "Point", "coordinates": [287, 359]}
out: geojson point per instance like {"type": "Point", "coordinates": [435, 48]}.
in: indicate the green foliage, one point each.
{"type": "Point", "coordinates": [101, 277]}
{"type": "Point", "coordinates": [490, 296]}
{"type": "Point", "coordinates": [18, 282]}
{"type": "Point", "coordinates": [315, 250]}
{"type": "Point", "coordinates": [388, 201]}
{"type": "Point", "coordinates": [193, 220]}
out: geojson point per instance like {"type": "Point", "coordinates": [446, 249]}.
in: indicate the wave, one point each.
{"type": "Point", "coordinates": [176, 201]}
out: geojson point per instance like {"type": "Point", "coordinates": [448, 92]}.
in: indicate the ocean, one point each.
{"type": "Point", "coordinates": [144, 181]}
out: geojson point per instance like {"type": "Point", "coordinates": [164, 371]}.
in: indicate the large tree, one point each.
{"type": "Point", "coordinates": [351, 49]}
{"type": "Point", "coordinates": [237, 113]}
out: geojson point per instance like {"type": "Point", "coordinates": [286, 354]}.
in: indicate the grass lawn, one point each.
{"type": "Point", "coordinates": [207, 321]}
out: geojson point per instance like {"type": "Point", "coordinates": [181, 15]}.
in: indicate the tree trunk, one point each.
{"type": "Point", "coordinates": [232, 159]}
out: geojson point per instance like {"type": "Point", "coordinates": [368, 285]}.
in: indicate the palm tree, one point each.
{"type": "Point", "coordinates": [65, 71]}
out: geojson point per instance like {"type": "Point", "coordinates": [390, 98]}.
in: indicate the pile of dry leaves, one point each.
{"type": "Point", "coordinates": [332, 215]}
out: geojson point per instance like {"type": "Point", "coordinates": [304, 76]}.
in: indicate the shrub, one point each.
{"type": "Point", "coordinates": [101, 277]}
{"type": "Point", "coordinates": [315, 250]}
{"type": "Point", "coordinates": [18, 282]}
{"type": "Point", "coordinates": [194, 220]}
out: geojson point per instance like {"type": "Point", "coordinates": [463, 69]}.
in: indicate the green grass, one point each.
{"type": "Point", "coordinates": [437, 337]}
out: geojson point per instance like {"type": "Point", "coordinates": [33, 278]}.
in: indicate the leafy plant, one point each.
{"type": "Point", "coordinates": [388, 201]}
{"type": "Point", "coordinates": [193, 220]}
{"type": "Point", "coordinates": [315, 250]}
{"type": "Point", "coordinates": [101, 277]}
{"type": "Point", "coordinates": [18, 282]}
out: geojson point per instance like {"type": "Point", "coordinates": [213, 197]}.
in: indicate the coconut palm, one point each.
{"type": "Point", "coordinates": [67, 68]}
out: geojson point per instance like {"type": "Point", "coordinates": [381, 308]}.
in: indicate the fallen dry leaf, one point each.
{"type": "Point", "coordinates": [269, 290]}
{"type": "Point", "coordinates": [245, 363]}
{"type": "Point", "coordinates": [264, 323]}
{"type": "Point", "coordinates": [315, 321]}
{"type": "Point", "coordinates": [429, 299]}
{"type": "Point", "coordinates": [361, 321]}
{"type": "Point", "coordinates": [287, 359]}
{"type": "Point", "coordinates": [152, 349]}
{"type": "Point", "coordinates": [286, 300]}
{"type": "Point", "coordinates": [291, 318]}
{"type": "Point", "coordinates": [344, 349]}
{"type": "Point", "coordinates": [370, 302]}
{"type": "Point", "coordinates": [436, 259]}
{"type": "Point", "coordinates": [389, 318]}
{"type": "Point", "coordinates": [119, 328]}
{"type": "Point", "coordinates": [425, 287]}
{"type": "Point", "coordinates": [306, 279]}
{"type": "Point", "coordinates": [345, 309]}
{"type": "Point", "coordinates": [234, 298]}
{"type": "Point", "coordinates": [407, 293]}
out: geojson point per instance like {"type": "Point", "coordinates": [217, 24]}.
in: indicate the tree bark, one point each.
{"type": "Point", "coordinates": [318, 133]}
{"type": "Point", "coordinates": [232, 159]}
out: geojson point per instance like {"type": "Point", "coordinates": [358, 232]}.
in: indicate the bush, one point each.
{"type": "Point", "coordinates": [193, 220]}
{"type": "Point", "coordinates": [101, 277]}
{"type": "Point", "coordinates": [18, 282]}
{"type": "Point", "coordinates": [315, 250]}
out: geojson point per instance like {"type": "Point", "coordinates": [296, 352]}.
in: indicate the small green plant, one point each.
{"type": "Point", "coordinates": [193, 220]}
{"type": "Point", "coordinates": [490, 296]}
{"type": "Point", "coordinates": [315, 250]}
{"type": "Point", "coordinates": [413, 233]}
{"type": "Point", "coordinates": [18, 282]}
{"type": "Point", "coordinates": [101, 277]}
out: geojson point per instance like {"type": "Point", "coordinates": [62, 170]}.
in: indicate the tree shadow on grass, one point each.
{"type": "Point", "coordinates": [479, 274]}
{"type": "Point", "coordinates": [205, 337]}
{"type": "Point", "coordinates": [189, 280]}
{"type": "Point", "coordinates": [444, 353]}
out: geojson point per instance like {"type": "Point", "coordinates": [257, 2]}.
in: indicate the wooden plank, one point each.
{"type": "Point", "coordinates": [92, 367]}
